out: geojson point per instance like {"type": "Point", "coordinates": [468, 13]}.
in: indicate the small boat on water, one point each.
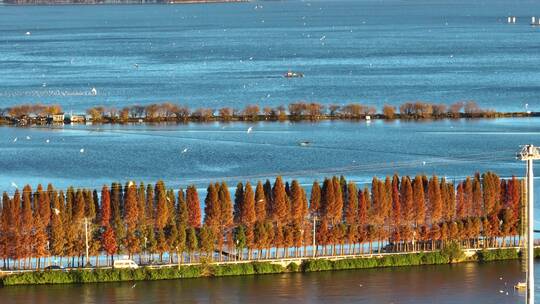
{"type": "Point", "coordinates": [291, 74]}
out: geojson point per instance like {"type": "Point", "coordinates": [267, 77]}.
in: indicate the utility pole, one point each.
{"type": "Point", "coordinates": [530, 153]}
{"type": "Point", "coordinates": [314, 231]}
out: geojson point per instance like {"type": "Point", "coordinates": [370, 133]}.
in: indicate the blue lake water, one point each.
{"type": "Point", "coordinates": [225, 151]}
{"type": "Point", "coordinates": [233, 54]}
{"type": "Point", "coordinates": [463, 283]}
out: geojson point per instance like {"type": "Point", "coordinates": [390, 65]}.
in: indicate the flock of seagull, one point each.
{"type": "Point", "coordinates": [185, 150]}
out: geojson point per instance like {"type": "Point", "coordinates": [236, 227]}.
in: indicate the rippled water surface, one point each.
{"type": "Point", "coordinates": [214, 54]}
{"type": "Point", "coordinates": [464, 283]}
{"type": "Point", "coordinates": [220, 151]}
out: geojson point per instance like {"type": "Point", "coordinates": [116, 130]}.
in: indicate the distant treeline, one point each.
{"type": "Point", "coordinates": [264, 221]}
{"type": "Point", "coordinates": [49, 2]}
{"type": "Point", "coordinates": [294, 112]}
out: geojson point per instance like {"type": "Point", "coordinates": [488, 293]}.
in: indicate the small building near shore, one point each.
{"type": "Point", "coordinates": [57, 118]}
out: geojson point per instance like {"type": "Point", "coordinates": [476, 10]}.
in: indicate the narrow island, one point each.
{"type": "Point", "coordinates": [51, 235]}
{"type": "Point", "coordinates": [40, 114]}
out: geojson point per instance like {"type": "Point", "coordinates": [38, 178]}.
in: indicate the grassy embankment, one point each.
{"type": "Point", "coordinates": [215, 270]}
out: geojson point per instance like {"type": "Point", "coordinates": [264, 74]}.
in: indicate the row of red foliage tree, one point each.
{"type": "Point", "coordinates": [262, 221]}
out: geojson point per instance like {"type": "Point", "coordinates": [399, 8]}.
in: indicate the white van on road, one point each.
{"type": "Point", "coordinates": [123, 264]}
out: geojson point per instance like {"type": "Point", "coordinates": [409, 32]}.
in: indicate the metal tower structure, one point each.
{"type": "Point", "coordinates": [529, 153]}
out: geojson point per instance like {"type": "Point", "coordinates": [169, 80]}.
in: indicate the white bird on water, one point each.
{"type": "Point", "coordinates": [28, 137]}
{"type": "Point", "coordinates": [423, 163]}
{"type": "Point", "coordinates": [185, 150]}
{"type": "Point", "coordinates": [93, 91]}
{"type": "Point", "coordinates": [14, 185]}
{"type": "Point", "coordinates": [28, 33]}
{"type": "Point", "coordinates": [47, 141]}
{"type": "Point", "coordinates": [81, 150]}
{"type": "Point", "coordinates": [15, 139]}
{"type": "Point", "coordinates": [249, 130]}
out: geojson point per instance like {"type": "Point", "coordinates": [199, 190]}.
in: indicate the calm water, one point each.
{"type": "Point", "coordinates": [214, 54]}
{"type": "Point", "coordinates": [465, 283]}
{"type": "Point", "coordinates": [221, 151]}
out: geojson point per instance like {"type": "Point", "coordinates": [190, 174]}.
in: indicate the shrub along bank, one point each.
{"type": "Point", "coordinates": [141, 274]}
{"type": "Point", "coordinates": [215, 270]}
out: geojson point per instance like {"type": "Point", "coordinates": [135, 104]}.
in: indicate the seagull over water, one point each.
{"type": "Point", "coordinates": [14, 185]}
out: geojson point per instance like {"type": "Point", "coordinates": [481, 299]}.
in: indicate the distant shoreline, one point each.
{"type": "Point", "coordinates": [109, 2]}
